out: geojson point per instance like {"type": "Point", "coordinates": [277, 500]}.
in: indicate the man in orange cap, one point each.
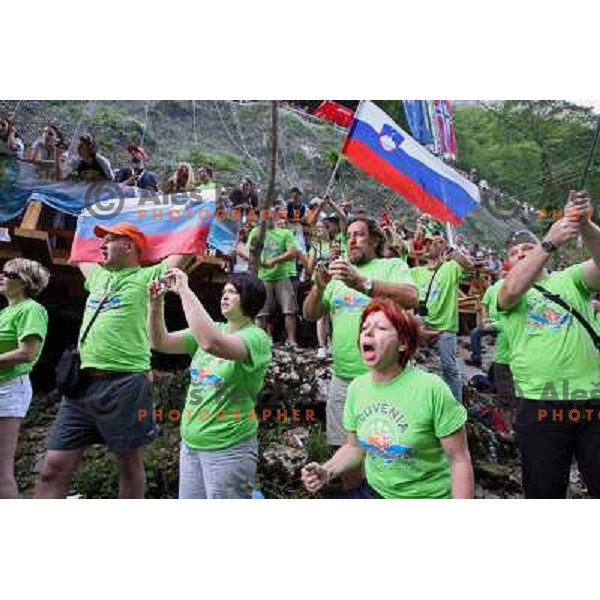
{"type": "Point", "coordinates": [115, 386]}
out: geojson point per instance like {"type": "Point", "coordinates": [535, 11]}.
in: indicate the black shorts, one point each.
{"type": "Point", "coordinates": [114, 410]}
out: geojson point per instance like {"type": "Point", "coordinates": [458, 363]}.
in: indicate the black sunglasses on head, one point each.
{"type": "Point", "coordinates": [10, 275]}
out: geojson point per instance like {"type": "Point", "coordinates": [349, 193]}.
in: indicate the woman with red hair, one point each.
{"type": "Point", "coordinates": [403, 422]}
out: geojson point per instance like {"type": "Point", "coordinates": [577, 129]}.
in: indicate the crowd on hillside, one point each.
{"type": "Point", "coordinates": [378, 288]}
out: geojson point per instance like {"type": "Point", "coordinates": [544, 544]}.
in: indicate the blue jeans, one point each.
{"type": "Point", "coordinates": [476, 336]}
{"type": "Point", "coordinates": [450, 368]}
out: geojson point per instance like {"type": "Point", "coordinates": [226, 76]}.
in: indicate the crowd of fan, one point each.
{"type": "Point", "coordinates": [378, 287]}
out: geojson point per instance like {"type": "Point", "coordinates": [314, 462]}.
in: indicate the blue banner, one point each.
{"type": "Point", "coordinates": [418, 120]}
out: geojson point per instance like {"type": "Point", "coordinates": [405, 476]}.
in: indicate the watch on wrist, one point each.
{"type": "Point", "coordinates": [368, 286]}
{"type": "Point", "coordinates": [548, 246]}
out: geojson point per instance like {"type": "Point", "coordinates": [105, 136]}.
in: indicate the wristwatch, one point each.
{"type": "Point", "coordinates": [368, 286]}
{"type": "Point", "coordinates": [548, 246]}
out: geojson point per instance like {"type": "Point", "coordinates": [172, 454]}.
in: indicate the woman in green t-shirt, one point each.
{"type": "Point", "coordinates": [403, 422]}
{"type": "Point", "coordinates": [23, 328]}
{"type": "Point", "coordinates": [219, 447]}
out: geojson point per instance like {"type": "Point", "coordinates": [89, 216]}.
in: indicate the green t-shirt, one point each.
{"type": "Point", "coordinates": [277, 242]}
{"type": "Point", "coordinates": [118, 339]}
{"type": "Point", "coordinates": [346, 305]}
{"type": "Point", "coordinates": [16, 323]}
{"type": "Point", "coordinates": [320, 250]}
{"type": "Point", "coordinates": [443, 298]}
{"type": "Point", "coordinates": [501, 349]}
{"type": "Point", "coordinates": [551, 355]}
{"type": "Point", "coordinates": [399, 424]}
{"type": "Point", "coordinates": [219, 409]}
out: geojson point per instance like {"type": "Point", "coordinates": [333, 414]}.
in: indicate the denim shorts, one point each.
{"type": "Point", "coordinates": [114, 410]}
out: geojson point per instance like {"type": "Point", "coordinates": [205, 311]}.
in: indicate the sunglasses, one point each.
{"type": "Point", "coordinates": [10, 275]}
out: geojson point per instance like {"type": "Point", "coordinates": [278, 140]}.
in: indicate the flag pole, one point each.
{"type": "Point", "coordinates": [434, 128]}
{"type": "Point", "coordinates": [591, 155]}
{"type": "Point", "coordinates": [340, 156]}
{"type": "Point", "coordinates": [587, 169]}
{"type": "Point", "coordinates": [450, 233]}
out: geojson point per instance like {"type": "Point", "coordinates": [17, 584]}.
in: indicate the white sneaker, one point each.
{"type": "Point", "coordinates": [321, 353]}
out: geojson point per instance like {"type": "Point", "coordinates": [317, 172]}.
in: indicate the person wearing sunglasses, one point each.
{"type": "Point", "coordinates": [23, 328]}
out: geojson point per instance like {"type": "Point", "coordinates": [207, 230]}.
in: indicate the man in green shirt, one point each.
{"type": "Point", "coordinates": [343, 292]}
{"type": "Point", "coordinates": [437, 283]}
{"type": "Point", "coordinates": [276, 266]}
{"type": "Point", "coordinates": [115, 368]}
{"type": "Point", "coordinates": [553, 359]}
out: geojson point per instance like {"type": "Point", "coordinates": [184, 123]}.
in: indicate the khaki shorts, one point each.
{"type": "Point", "coordinates": [279, 292]}
{"type": "Point", "coordinates": [336, 434]}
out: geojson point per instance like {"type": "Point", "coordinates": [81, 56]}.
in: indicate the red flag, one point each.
{"type": "Point", "coordinates": [334, 112]}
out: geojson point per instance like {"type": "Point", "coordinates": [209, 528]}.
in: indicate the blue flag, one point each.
{"type": "Point", "coordinates": [416, 115]}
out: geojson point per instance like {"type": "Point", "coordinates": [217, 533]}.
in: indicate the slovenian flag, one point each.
{"type": "Point", "coordinates": [381, 148]}
{"type": "Point", "coordinates": [173, 223]}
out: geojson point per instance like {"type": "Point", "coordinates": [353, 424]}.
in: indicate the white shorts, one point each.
{"type": "Point", "coordinates": [15, 397]}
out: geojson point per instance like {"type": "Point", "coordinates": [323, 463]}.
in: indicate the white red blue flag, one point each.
{"type": "Point", "coordinates": [445, 123]}
{"type": "Point", "coordinates": [381, 148]}
{"type": "Point", "coordinates": [174, 224]}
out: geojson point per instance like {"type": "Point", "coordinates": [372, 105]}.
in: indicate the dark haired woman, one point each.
{"type": "Point", "coordinates": [48, 152]}
{"type": "Point", "coordinates": [219, 447]}
{"type": "Point", "coordinates": [23, 328]}
{"type": "Point", "coordinates": [402, 421]}
{"type": "Point", "coordinates": [92, 166]}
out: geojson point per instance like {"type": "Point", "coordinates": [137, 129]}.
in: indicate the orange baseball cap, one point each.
{"type": "Point", "coordinates": [126, 229]}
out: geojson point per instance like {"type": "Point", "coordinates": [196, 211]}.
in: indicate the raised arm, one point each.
{"type": "Point", "coordinates": [580, 208]}
{"type": "Point", "coordinates": [339, 212]}
{"type": "Point", "coordinates": [314, 308]}
{"type": "Point", "coordinates": [462, 259]}
{"type": "Point", "coordinates": [525, 273]}
{"type": "Point", "coordinates": [160, 339]}
{"type": "Point", "coordinates": [203, 328]}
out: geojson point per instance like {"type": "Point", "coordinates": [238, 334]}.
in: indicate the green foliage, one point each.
{"type": "Point", "coordinates": [98, 477]}
{"type": "Point", "coordinates": [222, 161]}
{"type": "Point", "coordinates": [395, 110]}
{"type": "Point", "coordinates": [318, 448]}
{"type": "Point", "coordinates": [536, 148]}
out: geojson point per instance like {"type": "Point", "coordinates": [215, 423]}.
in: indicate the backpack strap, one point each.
{"type": "Point", "coordinates": [431, 283]}
{"type": "Point", "coordinates": [557, 299]}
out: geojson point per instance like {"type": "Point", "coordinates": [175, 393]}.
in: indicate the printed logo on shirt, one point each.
{"type": "Point", "coordinates": [380, 443]}
{"type": "Point", "coordinates": [110, 303]}
{"type": "Point", "coordinates": [350, 302]}
{"type": "Point", "coordinates": [545, 315]}
{"type": "Point", "coordinates": [205, 378]}
{"type": "Point", "coordinates": [383, 424]}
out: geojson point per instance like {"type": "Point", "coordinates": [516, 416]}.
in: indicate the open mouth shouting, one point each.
{"type": "Point", "coordinates": [369, 353]}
